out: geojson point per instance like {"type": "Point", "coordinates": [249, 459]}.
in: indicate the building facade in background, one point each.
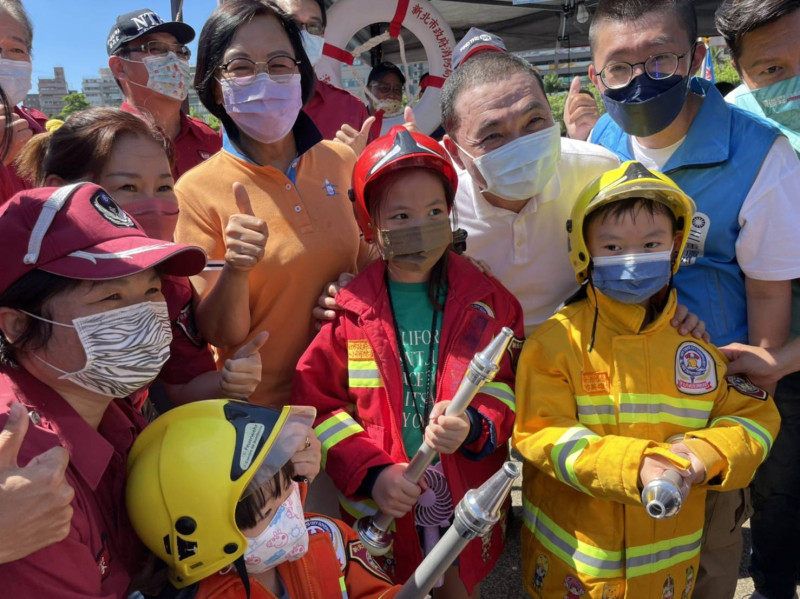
{"type": "Point", "coordinates": [52, 92]}
{"type": "Point", "coordinates": [103, 90]}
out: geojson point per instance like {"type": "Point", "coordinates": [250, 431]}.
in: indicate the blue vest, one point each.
{"type": "Point", "coordinates": [716, 166]}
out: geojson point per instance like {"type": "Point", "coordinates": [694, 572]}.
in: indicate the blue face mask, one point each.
{"type": "Point", "coordinates": [632, 278]}
{"type": "Point", "coordinates": [646, 106]}
{"type": "Point", "coordinates": [779, 102]}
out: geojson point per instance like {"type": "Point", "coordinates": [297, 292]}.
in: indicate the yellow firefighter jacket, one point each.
{"type": "Point", "coordinates": [585, 420]}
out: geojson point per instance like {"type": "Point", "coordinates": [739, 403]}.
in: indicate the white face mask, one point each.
{"type": "Point", "coordinates": [125, 348]}
{"type": "Point", "coordinates": [15, 79]}
{"type": "Point", "coordinates": [264, 110]}
{"type": "Point", "coordinates": [284, 539]}
{"type": "Point", "coordinates": [519, 170]}
{"type": "Point", "coordinates": [313, 45]}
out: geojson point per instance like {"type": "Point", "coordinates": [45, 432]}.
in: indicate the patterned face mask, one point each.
{"type": "Point", "coordinates": [125, 348]}
{"type": "Point", "coordinates": [284, 539]}
{"type": "Point", "coordinates": [166, 75]}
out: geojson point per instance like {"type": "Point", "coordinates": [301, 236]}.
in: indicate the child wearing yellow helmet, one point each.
{"type": "Point", "coordinates": [210, 491]}
{"type": "Point", "coordinates": [611, 397]}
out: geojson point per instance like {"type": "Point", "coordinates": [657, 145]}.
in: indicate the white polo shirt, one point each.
{"type": "Point", "coordinates": [527, 252]}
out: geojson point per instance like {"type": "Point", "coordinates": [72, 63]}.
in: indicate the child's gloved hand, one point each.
{"type": "Point", "coordinates": [445, 434]}
{"type": "Point", "coordinates": [241, 374]}
{"type": "Point", "coordinates": [393, 492]}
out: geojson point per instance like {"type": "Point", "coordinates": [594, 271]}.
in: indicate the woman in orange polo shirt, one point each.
{"type": "Point", "coordinates": [293, 226]}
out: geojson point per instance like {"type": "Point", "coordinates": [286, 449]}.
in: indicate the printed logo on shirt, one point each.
{"type": "Point", "coordinates": [696, 245]}
{"type": "Point", "coordinates": [326, 526]}
{"type": "Point", "coordinates": [746, 387]}
{"type": "Point", "coordinates": [330, 188]}
{"type": "Point", "coordinates": [103, 558]}
{"type": "Point", "coordinates": [357, 551]}
{"type": "Point", "coordinates": [359, 349]}
{"type": "Point", "coordinates": [203, 154]}
{"type": "Point", "coordinates": [595, 383]}
{"type": "Point", "coordinates": [695, 369]}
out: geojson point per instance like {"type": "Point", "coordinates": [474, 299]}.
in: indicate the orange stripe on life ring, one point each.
{"type": "Point", "coordinates": [337, 53]}
{"type": "Point", "coordinates": [399, 16]}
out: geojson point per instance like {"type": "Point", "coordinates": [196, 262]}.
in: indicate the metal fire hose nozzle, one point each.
{"type": "Point", "coordinates": [662, 496]}
{"type": "Point", "coordinates": [375, 532]}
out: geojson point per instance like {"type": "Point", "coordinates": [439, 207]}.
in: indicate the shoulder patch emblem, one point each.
{"type": "Point", "coordinates": [744, 386]}
{"type": "Point", "coordinates": [695, 369]}
{"type": "Point", "coordinates": [320, 525]}
{"type": "Point", "coordinates": [595, 382]}
{"type": "Point", "coordinates": [357, 551]}
{"type": "Point", "coordinates": [483, 308]}
{"type": "Point", "coordinates": [359, 349]}
{"type": "Point", "coordinates": [109, 210]}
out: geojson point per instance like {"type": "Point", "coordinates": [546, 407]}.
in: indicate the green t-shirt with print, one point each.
{"type": "Point", "coordinates": [413, 313]}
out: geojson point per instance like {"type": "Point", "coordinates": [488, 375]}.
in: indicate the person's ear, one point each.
{"type": "Point", "coordinates": [54, 180]}
{"type": "Point", "coordinates": [595, 77]}
{"type": "Point", "coordinates": [698, 58]}
{"type": "Point", "coordinates": [117, 66]}
{"type": "Point", "coordinates": [12, 323]}
{"type": "Point", "coordinates": [676, 247]}
{"type": "Point", "coordinates": [452, 149]}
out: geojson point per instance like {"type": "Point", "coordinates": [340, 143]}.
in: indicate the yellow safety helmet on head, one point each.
{"type": "Point", "coordinates": [191, 466]}
{"type": "Point", "coordinates": [629, 180]}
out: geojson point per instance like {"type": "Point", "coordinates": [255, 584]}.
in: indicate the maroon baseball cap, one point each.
{"type": "Point", "coordinates": [476, 40]}
{"type": "Point", "coordinates": [78, 232]}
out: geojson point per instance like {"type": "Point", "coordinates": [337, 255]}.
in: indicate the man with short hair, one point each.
{"type": "Point", "coordinates": [150, 61]}
{"type": "Point", "coordinates": [331, 108]}
{"type": "Point", "coordinates": [743, 175]}
{"type": "Point", "coordinates": [519, 178]}
{"type": "Point", "coordinates": [762, 36]}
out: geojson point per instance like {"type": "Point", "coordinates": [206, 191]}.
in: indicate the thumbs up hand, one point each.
{"type": "Point", "coordinates": [357, 140]}
{"type": "Point", "coordinates": [580, 111]}
{"type": "Point", "coordinates": [242, 373]}
{"type": "Point", "coordinates": [35, 500]}
{"type": "Point", "coordinates": [245, 235]}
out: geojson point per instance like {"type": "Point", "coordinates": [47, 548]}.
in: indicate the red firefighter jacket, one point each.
{"type": "Point", "coordinates": [336, 565]}
{"type": "Point", "coordinates": [352, 374]}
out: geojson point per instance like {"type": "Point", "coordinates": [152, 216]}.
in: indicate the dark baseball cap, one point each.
{"type": "Point", "coordinates": [140, 22]}
{"type": "Point", "coordinates": [476, 40]}
{"type": "Point", "coordinates": [380, 70]}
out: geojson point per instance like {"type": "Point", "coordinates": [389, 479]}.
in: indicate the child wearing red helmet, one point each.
{"type": "Point", "coordinates": [383, 372]}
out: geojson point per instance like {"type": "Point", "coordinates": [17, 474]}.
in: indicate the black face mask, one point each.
{"type": "Point", "coordinates": [646, 106]}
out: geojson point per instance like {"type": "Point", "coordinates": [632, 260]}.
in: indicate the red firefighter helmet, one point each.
{"type": "Point", "coordinates": [397, 149]}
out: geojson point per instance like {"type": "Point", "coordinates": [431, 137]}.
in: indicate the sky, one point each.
{"type": "Point", "coordinates": [72, 34]}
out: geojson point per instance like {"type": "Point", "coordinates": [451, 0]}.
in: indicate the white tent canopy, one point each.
{"type": "Point", "coordinates": [523, 27]}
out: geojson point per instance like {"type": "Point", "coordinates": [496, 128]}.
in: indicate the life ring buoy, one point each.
{"type": "Point", "coordinates": [347, 17]}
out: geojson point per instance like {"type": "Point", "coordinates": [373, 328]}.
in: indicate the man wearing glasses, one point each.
{"type": "Point", "coordinates": [331, 108]}
{"type": "Point", "coordinates": [743, 249]}
{"type": "Point", "coordinates": [150, 61]}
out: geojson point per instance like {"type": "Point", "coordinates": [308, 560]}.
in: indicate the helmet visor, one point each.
{"type": "Point", "coordinates": [266, 438]}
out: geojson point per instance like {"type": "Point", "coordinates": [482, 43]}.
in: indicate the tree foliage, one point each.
{"type": "Point", "coordinates": [73, 103]}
